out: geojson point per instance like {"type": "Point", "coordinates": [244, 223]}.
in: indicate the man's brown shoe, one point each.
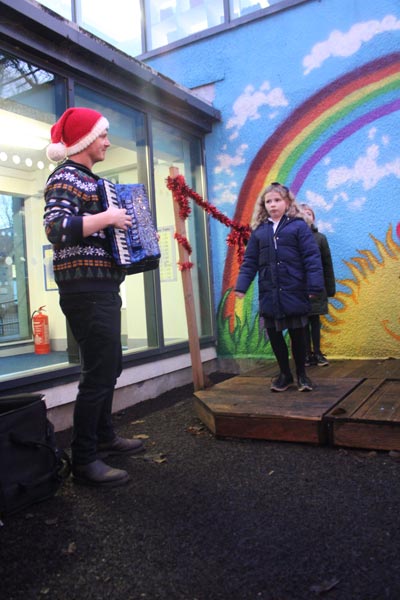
{"type": "Point", "coordinates": [119, 446]}
{"type": "Point", "coordinates": [97, 473]}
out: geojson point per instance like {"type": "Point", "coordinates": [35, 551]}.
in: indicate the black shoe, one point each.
{"type": "Point", "coordinates": [119, 446]}
{"type": "Point", "coordinates": [311, 360]}
{"type": "Point", "coordinates": [304, 384]}
{"type": "Point", "coordinates": [99, 474]}
{"type": "Point", "coordinates": [321, 360]}
{"type": "Point", "coordinates": [282, 382]}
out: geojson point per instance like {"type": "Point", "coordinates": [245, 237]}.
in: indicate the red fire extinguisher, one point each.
{"type": "Point", "coordinates": [40, 327]}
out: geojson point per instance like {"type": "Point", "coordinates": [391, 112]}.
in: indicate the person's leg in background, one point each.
{"type": "Point", "coordinates": [318, 357]}
{"type": "Point", "coordinates": [298, 339]}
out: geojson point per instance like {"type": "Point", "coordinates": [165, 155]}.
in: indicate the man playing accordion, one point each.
{"type": "Point", "coordinates": [88, 281]}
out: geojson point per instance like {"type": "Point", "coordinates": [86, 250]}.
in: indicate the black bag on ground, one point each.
{"type": "Point", "coordinates": [31, 466]}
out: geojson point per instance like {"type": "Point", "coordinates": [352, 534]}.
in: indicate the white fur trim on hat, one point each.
{"type": "Point", "coordinates": [56, 152]}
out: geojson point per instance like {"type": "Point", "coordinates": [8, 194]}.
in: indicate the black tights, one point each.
{"type": "Point", "coordinates": [313, 335]}
{"type": "Point", "coordinates": [280, 349]}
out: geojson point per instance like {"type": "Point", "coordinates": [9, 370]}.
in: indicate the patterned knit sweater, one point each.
{"type": "Point", "coordinates": [80, 264]}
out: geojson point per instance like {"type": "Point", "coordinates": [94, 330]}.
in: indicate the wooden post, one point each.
{"type": "Point", "coordinates": [194, 345]}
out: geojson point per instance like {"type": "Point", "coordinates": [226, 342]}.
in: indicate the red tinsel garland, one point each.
{"type": "Point", "coordinates": [181, 192]}
{"type": "Point", "coordinates": [184, 242]}
{"type": "Point", "coordinates": [185, 265]}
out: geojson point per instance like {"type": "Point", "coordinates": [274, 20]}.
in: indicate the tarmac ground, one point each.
{"type": "Point", "coordinates": [212, 519]}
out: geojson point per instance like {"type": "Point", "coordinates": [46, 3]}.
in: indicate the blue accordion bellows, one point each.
{"type": "Point", "coordinates": [136, 249]}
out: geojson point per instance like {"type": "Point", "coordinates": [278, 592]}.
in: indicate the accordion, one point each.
{"type": "Point", "coordinates": [135, 249]}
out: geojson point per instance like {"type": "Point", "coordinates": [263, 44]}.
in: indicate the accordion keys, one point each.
{"type": "Point", "coordinates": [136, 249]}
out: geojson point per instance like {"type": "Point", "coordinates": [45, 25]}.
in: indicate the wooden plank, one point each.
{"type": "Point", "coordinates": [268, 370]}
{"type": "Point", "coordinates": [184, 258]}
{"type": "Point", "coordinates": [384, 405]}
{"type": "Point", "coordinates": [352, 403]}
{"type": "Point", "coordinates": [369, 417]}
{"type": "Point", "coordinates": [337, 368]}
{"type": "Point", "coordinates": [360, 412]}
{"type": "Point", "coordinates": [205, 415]}
{"type": "Point", "coordinates": [375, 369]}
{"type": "Point", "coordinates": [252, 396]}
{"type": "Point", "coordinates": [372, 436]}
{"type": "Point", "coordinates": [271, 429]}
{"type": "Point", "coordinates": [375, 400]}
{"type": "Point", "coordinates": [246, 407]}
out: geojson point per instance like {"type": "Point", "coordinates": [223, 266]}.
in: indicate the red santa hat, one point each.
{"type": "Point", "coordinates": [74, 131]}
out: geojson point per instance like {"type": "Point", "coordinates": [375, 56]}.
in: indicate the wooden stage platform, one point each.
{"type": "Point", "coordinates": [355, 403]}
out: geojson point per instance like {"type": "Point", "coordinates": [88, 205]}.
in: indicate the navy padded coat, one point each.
{"type": "Point", "coordinates": [288, 264]}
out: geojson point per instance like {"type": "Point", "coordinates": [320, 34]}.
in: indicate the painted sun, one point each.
{"type": "Point", "coordinates": [364, 321]}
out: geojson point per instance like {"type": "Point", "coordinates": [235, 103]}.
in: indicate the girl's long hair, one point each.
{"type": "Point", "coordinates": [260, 213]}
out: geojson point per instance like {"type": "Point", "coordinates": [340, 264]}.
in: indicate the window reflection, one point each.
{"type": "Point", "coordinates": [117, 22]}
{"type": "Point", "coordinates": [166, 21]}
{"type": "Point", "coordinates": [126, 162]}
{"type": "Point", "coordinates": [28, 108]}
{"type": "Point", "coordinates": [61, 7]}
{"type": "Point", "coordinates": [240, 8]}
{"type": "Point", "coordinates": [171, 20]}
{"type": "Point", "coordinates": [31, 102]}
{"type": "Point", "coordinates": [174, 148]}
{"type": "Point", "coordinates": [14, 309]}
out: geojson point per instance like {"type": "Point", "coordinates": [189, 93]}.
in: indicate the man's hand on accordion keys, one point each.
{"type": "Point", "coordinates": [119, 218]}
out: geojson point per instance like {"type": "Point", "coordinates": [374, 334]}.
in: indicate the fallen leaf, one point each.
{"type": "Point", "coordinates": [395, 454]}
{"type": "Point", "coordinates": [325, 586]}
{"type": "Point", "coordinates": [138, 422]}
{"type": "Point", "coordinates": [372, 454]}
{"type": "Point", "coordinates": [196, 429]}
{"type": "Point", "coordinates": [141, 436]}
{"type": "Point", "coordinates": [157, 458]}
{"type": "Point", "coordinates": [71, 548]}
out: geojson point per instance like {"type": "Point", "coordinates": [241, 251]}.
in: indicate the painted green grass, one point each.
{"type": "Point", "coordinates": [248, 338]}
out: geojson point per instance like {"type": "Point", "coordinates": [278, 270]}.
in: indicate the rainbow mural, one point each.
{"type": "Point", "coordinates": [321, 123]}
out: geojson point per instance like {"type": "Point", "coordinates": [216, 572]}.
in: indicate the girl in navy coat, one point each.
{"type": "Point", "coordinates": [283, 252]}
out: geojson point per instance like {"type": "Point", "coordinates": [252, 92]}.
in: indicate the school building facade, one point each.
{"type": "Point", "coordinates": [235, 95]}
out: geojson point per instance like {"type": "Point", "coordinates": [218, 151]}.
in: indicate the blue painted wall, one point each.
{"type": "Point", "coordinates": [310, 96]}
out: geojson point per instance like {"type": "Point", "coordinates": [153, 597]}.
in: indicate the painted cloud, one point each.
{"type": "Point", "coordinates": [246, 106]}
{"type": "Point", "coordinates": [348, 43]}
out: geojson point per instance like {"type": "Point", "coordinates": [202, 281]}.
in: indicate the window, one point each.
{"type": "Point", "coordinates": [126, 162]}
{"type": "Point", "coordinates": [240, 8]}
{"type": "Point", "coordinates": [31, 101]}
{"type": "Point", "coordinates": [174, 148]}
{"type": "Point", "coordinates": [61, 7]}
{"type": "Point", "coordinates": [28, 110]}
{"type": "Point", "coordinates": [28, 107]}
{"type": "Point", "coordinates": [118, 22]}
{"type": "Point", "coordinates": [122, 23]}
{"type": "Point", "coordinates": [171, 20]}
{"type": "Point", "coordinates": [14, 289]}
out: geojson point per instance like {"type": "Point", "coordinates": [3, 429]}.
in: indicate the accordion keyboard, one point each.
{"type": "Point", "coordinates": [140, 241]}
